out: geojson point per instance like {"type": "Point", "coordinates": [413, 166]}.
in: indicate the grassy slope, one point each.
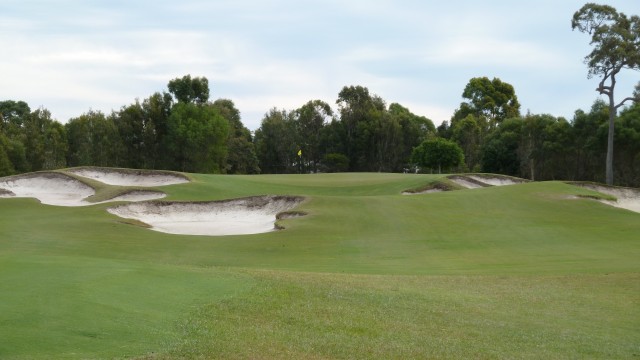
{"type": "Point", "coordinates": [517, 271]}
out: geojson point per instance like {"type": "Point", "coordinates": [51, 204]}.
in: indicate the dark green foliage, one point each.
{"type": "Point", "coordinates": [187, 90]}
{"type": "Point", "coordinates": [277, 143]}
{"type": "Point", "coordinates": [12, 116]}
{"type": "Point", "coordinates": [628, 139]}
{"type": "Point", "coordinates": [6, 166]}
{"type": "Point", "coordinates": [310, 120]}
{"type": "Point", "coordinates": [94, 139]}
{"type": "Point", "coordinates": [335, 163]}
{"type": "Point", "coordinates": [241, 157]}
{"type": "Point", "coordinates": [500, 151]}
{"type": "Point", "coordinates": [370, 135]}
{"type": "Point", "coordinates": [589, 132]}
{"type": "Point", "coordinates": [493, 100]}
{"type": "Point", "coordinates": [468, 134]}
{"type": "Point", "coordinates": [241, 153]}
{"type": "Point", "coordinates": [196, 138]}
{"type": "Point", "coordinates": [438, 154]}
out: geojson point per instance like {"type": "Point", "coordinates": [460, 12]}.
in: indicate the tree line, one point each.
{"type": "Point", "coordinates": [177, 130]}
{"type": "Point", "coordinates": [181, 129]}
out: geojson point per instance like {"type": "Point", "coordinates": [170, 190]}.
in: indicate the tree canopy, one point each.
{"type": "Point", "coordinates": [493, 100]}
{"type": "Point", "coordinates": [438, 153]}
{"type": "Point", "coordinates": [188, 90]}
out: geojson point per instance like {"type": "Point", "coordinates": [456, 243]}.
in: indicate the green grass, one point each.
{"type": "Point", "coordinates": [523, 271]}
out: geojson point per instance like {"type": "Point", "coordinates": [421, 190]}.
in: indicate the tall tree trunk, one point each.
{"type": "Point", "coordinates": [612, 117]}
{"type": "Point", "coordinates": [532, 164]}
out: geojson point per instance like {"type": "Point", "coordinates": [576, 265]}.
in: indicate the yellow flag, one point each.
{"type": "Point", "coordinates": [300, 152]}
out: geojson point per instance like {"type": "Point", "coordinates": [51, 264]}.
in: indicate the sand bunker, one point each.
{"type": "Point", "coordinates": [251, 215]}
{"type": "Point", "coordinates": [478, 181]}
{"type": "Point", "coordinates": [62, 190]}
{"type": "Point", "coordinates": [496, 181]}
{"type": "Point", "coordinates": [427, 191]}
{"type": "Point", "coordinates": [127, 177]}
{"type": "Point", "coordinates": [628, 198]}
{"type": "Point", "coordinates": [50, 188]}
{"type": "Point", "coordinates": [467, 182]}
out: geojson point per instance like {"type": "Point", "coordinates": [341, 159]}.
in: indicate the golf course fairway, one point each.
{"type": "Point", "coordinates": [358, 271]}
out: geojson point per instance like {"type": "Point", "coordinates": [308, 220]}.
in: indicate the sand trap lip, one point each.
{"type": "Point", "coordinates": [58, 189]}
{"type": "Point", "coordinates": [129, 177]}
{"type": "Point", "coordinates": [427, 191]}
{"type": "Point", "coordinates": [251, 215]}
{"type": "Point", "coordinates": [136, 196]}
{"type": "Point", "coordinates": [628, 198]}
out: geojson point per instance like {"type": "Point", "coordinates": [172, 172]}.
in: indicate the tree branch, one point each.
{"type": "Point", "coordinates": [625, 100]}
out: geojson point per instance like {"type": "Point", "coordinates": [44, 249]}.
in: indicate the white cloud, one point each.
{"type": "Point", "coordinates": [481, 51]}
{"type": "Point", "coordinates": [281, 54]}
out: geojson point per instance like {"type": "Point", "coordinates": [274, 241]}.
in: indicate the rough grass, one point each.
{"type": "Point", "coordinates": [320, 316]}
{"type": "Point", "coordinates": [522, 271]}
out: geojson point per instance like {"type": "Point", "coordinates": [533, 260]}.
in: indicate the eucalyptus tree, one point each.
{"type": "Point", "coordinates": [311, 118]}
{"type": "Point", "coordinates": [156, 111]}
{"type": "Point", "coordinates": [45, 141]}
{"type": "Point", "coordinates": [93, 139]}
{"type": "Point", "coordinates": [132, 127]}
{"type": "Point", "coordinates": [197, 132]}
{"type": "Point", "coordinates": [277, 143]}
{"type": "Point", "coordinates": [468, 134]}
{"type": "Point", "coordinates": [6, 166]}
{"type": "Point", "coordinates": [628, 145]}
{"type": "Point", "coordinates": [197, 138]}
{"type": "Point", "coordinates": [490, 100]}
{"type": "Point", "coordinates": [414, 128]}
{"type": "Point", "coordinates": [616, 46]}
{"type": "Point", "coordinates": [12, 116]}
{"type": "Point", "coordinates": [500, 150]}
{"type": "Point", "coordinates": [241, 153]}
{"type": "Point", "coordinates": [589, 142]}
{"type": "Point", "coordinates": [356, 107]}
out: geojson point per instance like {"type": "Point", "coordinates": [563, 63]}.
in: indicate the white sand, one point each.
{"type": "Point", "coordinates": [49, 188]}
{"type": "Point", "coordinates": [465, 183]}
{"type": "Point", "coordinates": [476, 182]}
{"type": "Point", "coordinates": [494, 181]}
{"type": "Point", "coordinates": [628, 198]}
{"type": "Point", "coordinates": [129, 177]}
{"type": "Point", "coordinates": [62, 190]}
{"type": "Point", "coordinates": [233, 217]}
{"type": "Point", "coordinates": [428, 191]}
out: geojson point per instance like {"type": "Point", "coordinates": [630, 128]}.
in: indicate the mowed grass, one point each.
{"type": "Point", "coordinates": [523, 271]}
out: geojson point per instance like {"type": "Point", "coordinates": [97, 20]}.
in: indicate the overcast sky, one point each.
{"type": "Point", "coordinates": [72, 56]}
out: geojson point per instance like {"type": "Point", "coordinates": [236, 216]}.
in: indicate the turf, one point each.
{"type": "Point", "coordinates": [522, 271]}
